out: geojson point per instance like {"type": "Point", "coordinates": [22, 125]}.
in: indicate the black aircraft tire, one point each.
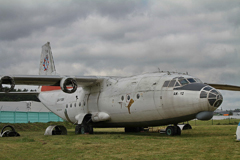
{"type": "Point", "coordinates": [178, 131]}
{"type": "Point", "coordinates": [170, 131]}
{"type": "Point", "coordinates": [77, 129]}
{"type": "Point", "coordinates": [82, 129]}
{"type": "Point", "coordinates": [90, 130]}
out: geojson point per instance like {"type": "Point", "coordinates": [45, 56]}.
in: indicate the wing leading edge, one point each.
{"type": "Point", "coordinates": [224, 87]}
{"type": "Point", "coordinates": [51, 80]}
{"type": "Point", "coordinates": [54, 80]}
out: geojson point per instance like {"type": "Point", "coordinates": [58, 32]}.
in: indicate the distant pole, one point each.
{"type": "Point", "coordinates": [195, 122]}
{"type": "Point", "coordinates": [38, 116]}
{"type": "Point", "coordinates": [212, 121]}
{"type": "Point", "coordinates": [14, 121]}
{"type": "Point", "coordinates": [27, 116]}
{"type": "Point", "coordinates": [15, 115]}
{"type": "Point", "coordinates": [0, 114]}
{"type": "Point", "coordinates": [49, 118]}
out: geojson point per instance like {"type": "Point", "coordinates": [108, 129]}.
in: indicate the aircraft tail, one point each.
{"type": "Point", "coordinates": [47, 66]}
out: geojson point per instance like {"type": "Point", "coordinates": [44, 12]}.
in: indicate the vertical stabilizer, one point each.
{"type": "Point", "coordinates": [47, 66]}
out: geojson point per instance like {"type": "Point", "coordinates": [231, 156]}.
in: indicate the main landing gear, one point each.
{"type": "Point", "coordinates": [84, 128]}
{"type": "Point", "coordinates": [173, 130]}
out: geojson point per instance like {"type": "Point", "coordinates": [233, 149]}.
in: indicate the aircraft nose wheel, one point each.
{"type": "Point", "coordinates": [173, 130]}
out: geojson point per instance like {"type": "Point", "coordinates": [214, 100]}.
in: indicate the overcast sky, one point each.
{"type": "Point", "coordinates": [120, 37]}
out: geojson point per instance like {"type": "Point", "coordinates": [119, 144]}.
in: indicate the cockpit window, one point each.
{"type": "Point", "coordinates": [212, 95]}
{"type": "Point", "coordinates": [219, 97]}
{"type": "Point", "coordinates": [207, 88]}
{"type": "Point", "coordinates": [166, 83]}
{"type": "Point", "coordinates": [183, 81]}
{"type": "Point", "coordinates": [171, 84]}
{"type": "Point", "coordinates": [218, 103]}
{"type": "Point", "coordinates": [214, 91]}
{"type": "Point", "coordinates": [191, 80]}
{"type": "Point", "coordinates": [203, 94]}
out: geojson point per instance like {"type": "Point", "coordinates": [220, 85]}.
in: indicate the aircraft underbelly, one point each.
{"type": "Point", "coordinates": [142, 123]}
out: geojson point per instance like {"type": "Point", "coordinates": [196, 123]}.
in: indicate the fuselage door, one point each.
{"type": "Point", "coordinates": [158, 94]}
{"type": "Point", "coordinates": [93, 102]}
{"type": "Point", "coordinates": [85, 103]}
{"type": "Point", "coordinates": [93, 99]}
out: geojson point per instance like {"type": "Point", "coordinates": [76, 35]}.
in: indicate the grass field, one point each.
{"type": "Point", "coordinates": [204, 141]}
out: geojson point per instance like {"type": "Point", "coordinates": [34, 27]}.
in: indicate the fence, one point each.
{"type": "Point", "coordinates": [229, 120]}
{"type": "Point", "coordinates": [26, 117]}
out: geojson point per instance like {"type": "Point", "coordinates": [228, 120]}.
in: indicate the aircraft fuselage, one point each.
{"type": "Point", "coordinates": [151, 99]}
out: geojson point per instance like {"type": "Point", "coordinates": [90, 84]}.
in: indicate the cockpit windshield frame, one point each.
{"type": "Point", "coordinates": [180, 81]}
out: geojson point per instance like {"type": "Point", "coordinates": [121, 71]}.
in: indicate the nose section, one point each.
{"type": "Point", "coordinates": [214, 97]}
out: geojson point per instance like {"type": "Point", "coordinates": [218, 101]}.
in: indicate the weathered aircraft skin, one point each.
{"type": "Point", "coordinates": [149, 99]}
{"type": "Point", "coordinates": [132, 101]}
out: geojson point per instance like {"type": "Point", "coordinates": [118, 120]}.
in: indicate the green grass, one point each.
{"type": "Point", "coordinates": [204, 141]}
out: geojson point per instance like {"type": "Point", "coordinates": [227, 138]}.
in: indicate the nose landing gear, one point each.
{"type": "Point", "coordinates": [85, 127]}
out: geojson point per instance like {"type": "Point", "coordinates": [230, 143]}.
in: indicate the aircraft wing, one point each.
{"type": "Point", "coordinates": [51, 80]}
{"type": "Point", "coordinates": [21, 93]}
{"type": "Point", "coordinates": [54, 80]}
{"type": "Point", "coordinates": [224, 86]}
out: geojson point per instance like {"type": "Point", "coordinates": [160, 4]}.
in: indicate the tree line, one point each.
{"type": "Point", "coordinates": [18, 97]}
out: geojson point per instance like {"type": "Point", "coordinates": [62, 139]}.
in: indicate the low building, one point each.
{"type": "Point", "coordinates": [26, 112]}
{"type": "Point", "coordinates": [220, 112]}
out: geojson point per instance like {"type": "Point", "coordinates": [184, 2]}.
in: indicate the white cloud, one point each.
{"type": "Point", "coordinates": [123, 38]}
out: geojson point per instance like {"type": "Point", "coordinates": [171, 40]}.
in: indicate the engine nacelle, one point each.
{"type": "Point", "coordinates": [8, 81]}
{"type": "Point", "coordinates": [68, 85]}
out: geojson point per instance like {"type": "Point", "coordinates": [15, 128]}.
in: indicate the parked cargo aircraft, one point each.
{"type": "Point", "coordinates": [133, 102]}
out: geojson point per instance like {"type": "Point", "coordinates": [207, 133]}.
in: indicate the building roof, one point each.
{"type": "Point", "coordinates": [23, 106]}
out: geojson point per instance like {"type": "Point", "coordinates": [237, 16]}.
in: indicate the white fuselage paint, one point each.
{"type": "Point", "coordinates": [132, 101]}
